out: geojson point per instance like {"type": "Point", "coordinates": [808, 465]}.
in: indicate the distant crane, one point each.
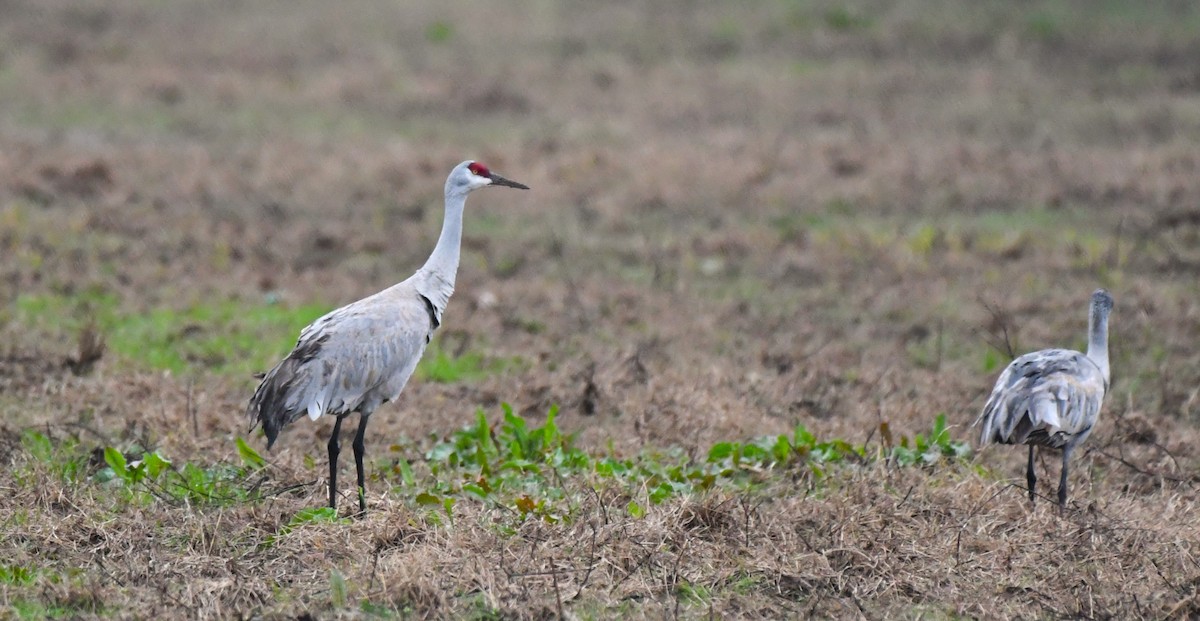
{"type": "Point", "coordinates": [1052, 397]}
{"type": "Point", "coordinates": [361, 355]}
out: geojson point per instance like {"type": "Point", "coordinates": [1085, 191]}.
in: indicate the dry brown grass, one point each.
{"type": "Point", "coordinates": [742, 219]}
{"type": "Point", "coordinates": [872, 543]}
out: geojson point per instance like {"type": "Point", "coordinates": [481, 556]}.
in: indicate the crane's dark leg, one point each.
{"type": "Point", "coordinates": [358, 458]}
{"type": "Point", "coordinates": [1031, 476]}
{"type": "Point", "coordinates": [334, 449]}
{"type": "Point", "coordinates": [1062, 481]}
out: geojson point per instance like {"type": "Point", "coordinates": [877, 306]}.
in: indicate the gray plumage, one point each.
{"type": "Point", "coordinates": [1052, 397]}
{"type": "Point", "coordinates": [360, 356]}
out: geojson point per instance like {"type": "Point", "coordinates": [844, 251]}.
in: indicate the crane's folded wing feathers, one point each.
{"type": "Point", "coordinates": [1046, 397]}
{"type": "Point", "coordinates": [359, 355]}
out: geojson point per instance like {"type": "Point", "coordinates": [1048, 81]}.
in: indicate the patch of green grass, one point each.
{"type": "Point", "coordinates": [315, 515]}
{"type": "Point", "coordinates": [439, 365]}
{"type": "Point", "coordinates": [991, 360]}
{"type": "Point", "coordinates": [17, 575]}
{"type": "Point", "coordinates": [744, 583]}
{"type": "Point", "coordinates": [439, 32]}
{"type": "Point", "coordinates": [66, 460]}
{"type": "Point", "coordinates": [27, 578]}
{"type": "Point", "coordinates": [220, 337]}
{"type": "Point", "coordinates": [1044, 26]}
{"type": "Point", "coordinates": [844, 19]}
{"type": "Point", "coordinates": [693, 594]}
{"type": "Point", "coordinates": [480, 610]}
{"type": "Point", "coordinates": [379, 611]}
{"type": "Point", "coordinates": [100, 115]}
{"type": "Point", "coordinates": [924, 240]}
{"type": "Point", "coordinates": [138, 476]}
{"type": "Point", "coordinates": [33, 609]}
{"type": "Point", "coordinates": [337, 585]}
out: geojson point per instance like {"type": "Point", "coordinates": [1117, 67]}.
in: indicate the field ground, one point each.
{"type": "Point", "coordinates": [817, 221]}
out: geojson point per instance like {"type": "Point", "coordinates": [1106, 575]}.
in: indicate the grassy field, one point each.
{"type": "Point", "coordinates": [721, 362]}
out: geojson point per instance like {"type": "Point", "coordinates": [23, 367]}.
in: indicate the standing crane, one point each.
{"type": "Point", "coordinates": [1052, 397]}
{"type": "Point", "coordinates": [360, 356]}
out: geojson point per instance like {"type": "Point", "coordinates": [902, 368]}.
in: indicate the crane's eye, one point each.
{"type": "Point", "coordinates": [479, 169]}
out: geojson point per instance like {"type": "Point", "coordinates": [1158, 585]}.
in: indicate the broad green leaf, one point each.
{"type": "Point", "coordinates": [720, 451]}
{"type": "Point", "coordinates": [802, 437]}
{"type": "Point", "coordinates": [406, 473]}
{"type": "Point", "coordinates": [939, 429]}
{"type": "Point", "coordinates": [426, 499]}
{"type": "Point", "coordinates": [155, 464]}
{"type": "Point", "coordinates": [313, 514]}
{"type": "Point", "coordinates": [116, 460]}
{"type": "Point", "coordinates": [782, 449]}
{"type": "Point", "coordinates": [550, 435]}
{"type": "Point", "coordinates": [475, 490]}
{"type": "Point", "coordinates": [250, 457]}
{"type": "Point", "coordinates": [661, 493]}
{"type": "Point", "coordinates": [754, 453]}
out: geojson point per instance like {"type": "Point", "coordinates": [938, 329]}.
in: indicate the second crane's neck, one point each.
{"type": "Point", "coordinates": [436, 277]}
{"type": "Point", "coordinates": [1098, 339]}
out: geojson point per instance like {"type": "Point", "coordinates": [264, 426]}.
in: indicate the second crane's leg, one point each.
{"type": "Point", "coordinates": [358, 463]}
{"type": "Point", "coordinates": [334, 449]}
{"type": "Point", "coordinates": [1062, 481]}
{"type": "Point", "coordinates": [1030, 475]}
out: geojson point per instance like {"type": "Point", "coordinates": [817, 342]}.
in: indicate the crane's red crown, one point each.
{"type": "Point", "coordinates": [479, 169]}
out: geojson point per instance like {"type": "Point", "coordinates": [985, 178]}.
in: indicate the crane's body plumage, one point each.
{"type": "Point", "coordinates": [1049, 398]}
{"type": "Point", "coordinates": [352, 359]}
{"type": "Point", "coordinates": [1052, 397]}
{"type": "Point", "coordinates": [360, 356]}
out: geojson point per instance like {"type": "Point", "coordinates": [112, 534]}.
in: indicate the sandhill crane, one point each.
{"type": "Point", "coordinates": [1052, 397]}
{"type": "Point", "coordinates": [361, 355]}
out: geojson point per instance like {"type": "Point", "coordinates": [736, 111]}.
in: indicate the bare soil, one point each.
{"type": "Point", "coordinates": [742, 218]}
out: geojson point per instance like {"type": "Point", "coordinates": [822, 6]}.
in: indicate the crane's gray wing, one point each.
{"type": "Point", "coordinates": [1047, 397]}
{"type": "Point", "coordinates": [354, 358]}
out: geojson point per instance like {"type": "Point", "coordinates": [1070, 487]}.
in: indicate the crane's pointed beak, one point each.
{"type": "Point", "coordinates": [498, 180]}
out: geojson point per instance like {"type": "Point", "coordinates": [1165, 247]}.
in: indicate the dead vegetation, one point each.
{"type": "Point", "coordinates": [743, 219]}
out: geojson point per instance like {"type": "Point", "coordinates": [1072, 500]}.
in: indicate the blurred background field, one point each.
{"type": "Point", "coordinates": [745, 218]}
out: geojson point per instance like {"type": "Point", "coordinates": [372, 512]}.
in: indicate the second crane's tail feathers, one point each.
{"type": "Point", "coordinates": [1023, 421]}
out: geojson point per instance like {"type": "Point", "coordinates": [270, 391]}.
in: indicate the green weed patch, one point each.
{"type": "Point", "coordinates": [538, 472]}
{"type": "Point", "coordinates": [534, 472]}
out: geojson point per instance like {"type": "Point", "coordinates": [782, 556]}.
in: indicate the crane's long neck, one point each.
{"type": "Point", "coordinates": [435, 279]}
{"type": "Point", "coordinates": [1098, 338]}
{"type": "Point", "coordinates": [443, 262]}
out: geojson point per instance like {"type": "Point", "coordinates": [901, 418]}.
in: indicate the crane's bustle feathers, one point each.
{"type": "Point", "coordinates": [352, 359]}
